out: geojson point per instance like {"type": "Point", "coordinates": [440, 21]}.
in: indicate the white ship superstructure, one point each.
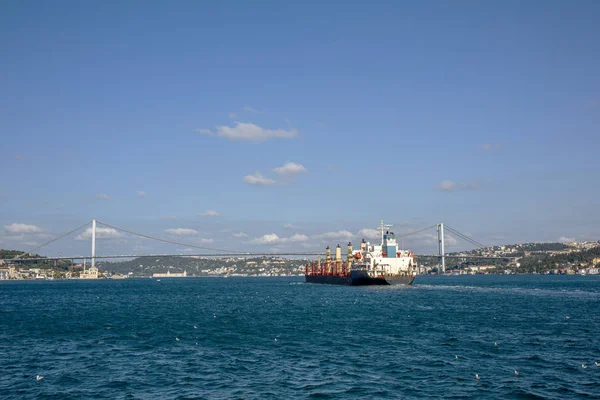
{"type": "Point", "coordinates": [385, 259]}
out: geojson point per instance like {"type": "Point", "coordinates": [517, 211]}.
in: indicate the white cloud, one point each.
{"type": "Point", "coordinates": [449, 186]}
{"type": "Point", "coordinates": [207, 240]}
{"type": "Point", "coordinates": [274, 239]}
{"type": "Point", "coordinates": [564, 239]}
{"type": "Point", "coordinates": [240, 235]}
{"type": "Point", "coordinates": [449, 240]}
{"type": "Point", "coordinates": [21, 228]}
{"type": "Point", "coordinates": [251, 132]}
{"type": "Point", "coordinates": [210, 213]}
{"type": "Point", "coordinates": [341, 234]}
{"type": "Point", "coordinates": [368, 233]}
{"type": "Point", "coordinates": [258, 179]}
{"type": "Point", "coordinates": [204, 132]}
{"type": "Point", "coordinates": [490, 147]}
{"type": "Point", "coordinates": [101, 233]}
{"type": "Point", "coordinates": [181, 231]}
{"type": "Point", "coordinates": [290, 169]}
{"type": "Point", "coordinates": [233, 115]}
{"type": "Point", "coordinates": [102, 196]}
{"type": "Point", "coordinates": [252, 110]}
{"type": "Point", "coordinates": [288, 226]}
{"type": "Point", "coordinates": [141, 193]}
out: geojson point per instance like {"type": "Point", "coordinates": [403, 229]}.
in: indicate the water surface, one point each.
{"type": "Point", "coordinates": [257, 338]}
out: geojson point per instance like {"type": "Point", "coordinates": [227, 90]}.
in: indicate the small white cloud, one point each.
{"type": "Point", "coordinates": [102, 196]}
{"type": "Point", "coordinates": [342, 234]}
{"type": "Point", "coordinates": [296, 238]}
{"type": "Point", "coordinates": [258, 179]}
{"type": "Point", "coordinates": [266, 239]}
{"type": "Point", "coordinates": [490, 147]}
{"type": "Point", "coordinates": [240, 235]}
{"type": "Point", "coordinates": [368, 233]}
{"type": "Point", "coordinates": [249, 131]}
{"type": "Point", "coordinates": [141, 193]}
{"type": "Point", "coordinates": [290, 169]}
{"type": "Point", "coordinates": [252, 110]}
{"type": "Point", "coordinates": [564, 239]}
{"type": "Point", "coordinates": [207, 132]}
{"type": "Point", "coordinates": [449, 186]}
{"type": "Point", "coordinates": [101, 233]}
{"type": "Point", "coordinates": [181, 231]}
{"type": "Point", "coordinates": [207, 240]}
{"type": "Point", "coordinates": [21, 228]}
{"type": "Point", "coordinates": [274, 239]}
{"type": "Point", "coordinates": [209, 213]}
{"type": "Point", "coordinates": [288, 226]}
{"type": "Point", "coordinates": [449, 240]}
{"type": "Point", "coordinates": [233, 115]}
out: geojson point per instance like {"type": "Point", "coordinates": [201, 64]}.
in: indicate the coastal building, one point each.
{"type": "Point", "coordinates": [91, 273]}
{"type": "Point", "coordinates": [169, 274]}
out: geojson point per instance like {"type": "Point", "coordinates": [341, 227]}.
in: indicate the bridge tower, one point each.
{"type": "Point", "coordinates": [441, 251]}
{"type": "Point", "coordinates": [93, 243]}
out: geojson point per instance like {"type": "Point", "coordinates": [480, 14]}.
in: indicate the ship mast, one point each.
{"type": "Point", "coordinates": [383, 227]}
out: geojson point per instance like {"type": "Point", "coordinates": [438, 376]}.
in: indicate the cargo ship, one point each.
{"type": "Point", "coordinates": [383, 264]}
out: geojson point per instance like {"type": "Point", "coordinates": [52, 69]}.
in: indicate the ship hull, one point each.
{"type": "Point", "coordinates": [359, 278]}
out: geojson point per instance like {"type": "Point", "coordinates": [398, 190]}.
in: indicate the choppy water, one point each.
{"type": "Point", "coordinates": [280, 338]}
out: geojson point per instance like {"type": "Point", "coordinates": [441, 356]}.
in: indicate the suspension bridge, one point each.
{"type": "Point", "coordinates": [218, 252]}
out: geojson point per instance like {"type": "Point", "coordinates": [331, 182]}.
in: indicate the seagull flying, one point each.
{"type": "Point", "coordinates": [477, 377]}
{"type": "Point", "coordinates": [39, 378]}
{"type": "Point", "coordinates": [516, 372]}
{"type": "Point", "coordinates": [583, 366]}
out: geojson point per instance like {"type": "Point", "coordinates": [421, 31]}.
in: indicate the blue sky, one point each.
{"type": "Point", "coordinates": [326, 116]}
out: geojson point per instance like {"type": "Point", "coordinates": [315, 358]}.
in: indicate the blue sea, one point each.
{"type": "Point", "coordinates": [279, 338]}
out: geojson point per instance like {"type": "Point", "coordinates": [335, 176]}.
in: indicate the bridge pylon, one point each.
{"type": "Point", "coordinates": [441, 251]}
{"type": "Point", "coordinates": [93, 243]}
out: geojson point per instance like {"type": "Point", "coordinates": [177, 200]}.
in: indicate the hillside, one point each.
{"type": "Point", "coordinates": [146, 266]}
{"type": "Point", "coordinates": [43, 264]}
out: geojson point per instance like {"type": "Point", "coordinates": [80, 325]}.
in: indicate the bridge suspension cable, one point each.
{"type": "Point", "coordinates": [169, 241]}
{"type": "Point", "coordinates": [415, 232]}
{"type": "Point", "coordinates": [183, 244]}
{"type": "Point", "coordinates": [465, 237]}
{"type": "Point", "coordinates": [53, 240]}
